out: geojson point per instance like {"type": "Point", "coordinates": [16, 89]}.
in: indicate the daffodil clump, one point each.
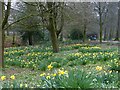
{"type": "Point", "coordinates": [91, 49]}
{"type": "Point", "coordinates": [41, 57]}
{"type": "Point", "coordinates": [91, 57]}
{"type": "Point", "coordinates": [114, 64]}
{"type": "Point", "coordinates": [56, 73]}
{"type": "Point", "coordinates": [12, 77]}
{"type": "Point", "coordinates": [27, 57]}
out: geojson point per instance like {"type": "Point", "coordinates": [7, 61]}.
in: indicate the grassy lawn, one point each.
{"type": "Point", "coordinates": [75, 66]}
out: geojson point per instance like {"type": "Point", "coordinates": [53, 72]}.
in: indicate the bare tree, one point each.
{"type": "Point", "coordinates": [101, 9]}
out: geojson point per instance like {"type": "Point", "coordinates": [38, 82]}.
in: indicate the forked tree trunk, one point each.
{"type": "Point", "coordinates": [52, 27]}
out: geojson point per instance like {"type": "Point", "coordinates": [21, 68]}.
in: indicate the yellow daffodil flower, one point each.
{"type": "Point", "coordinates": [21, 85]}
{"type": "Point", "coordinates": [50, 67]}
{"type": "Point", "coordinates": [12, 77]}
{"type": "Point", "coordinates": [26, 85]}
{"type": "Point", "coordinates": [54, 74]}
{"type": "Point", "coordinates": [43, 74]}
{"type": "Point", "coordinates": [61, 72]}
{"type": "Point", "coordinates": [3, 78]}
{"type": "Point", "coordinates": [99, 68]}
{"type": "Point", "coordinates": [48, 77]}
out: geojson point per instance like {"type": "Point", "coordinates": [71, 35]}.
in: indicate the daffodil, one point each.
{"type": "Point", "coordinates": [110, 71]}
{"type": "Point", "coordinates": [48, 77]}
{"type": "Point", "coordinates": [54, 74]}
{"type": "Point", "coordinates": [12, 86]}
{"type": "Point", "coordinates": [50, 67]}
{"type": "Point", "coordinates": [99, 68]}
{"type": "Point", "coordinates": [21, 85]}
{"type": "Point", "coordinates": [26, 85]}
{"type": "Point", "coordinates": [61, 72]}
{"type": "Point", "coordinates": [3, 78]}
{"type": "Point", "coordinates": [12, 77]}
{"type": "Point", "coordinates": [43, 74]}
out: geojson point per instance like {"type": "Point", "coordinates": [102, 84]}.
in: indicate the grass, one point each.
{"type": "Point", "coordinates": [31, 75]}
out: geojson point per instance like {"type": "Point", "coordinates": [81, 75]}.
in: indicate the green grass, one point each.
{"type": "Point", "coordinates": [27, 63]}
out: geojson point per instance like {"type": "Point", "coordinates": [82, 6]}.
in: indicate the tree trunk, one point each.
{"type": "Point", "coordinates": [118, 27]}
{"type": "Point", "coordinates": [3, 22]}
{"type": "Point", "coordinates": [13, 42]}
{"type": "Point", "coordinates": [61, 37]}
{"type": "Point", "coordinates": [54, 42]}
{"type": "Point", "coordinates": [84, 33]}
{"type": "Point", "coordinates": [1, 38]}
{"type": "Point", "coordinates": [52, 27]}
{"type": "Point", "coordinates": [100, 22]}
{"type": "Point", "coordinates": [30, 38]}
{"type": "Point", "coordinates": [110, 34]}
{"type": "Point", "coordinates": [101, 29]}
{"type": "Point", "coordinates": [61, 20]}
{"type": "Point", "coordinates": [105, 34]}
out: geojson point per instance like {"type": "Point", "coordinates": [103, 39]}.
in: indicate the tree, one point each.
{"type": "Point", "coordinates": [52, 26]}
{"type": "Point", "coordinates": [47, 14]}
{"type": "Point", "coordinates": [50, 20]}
{"type": "Point", "coordinates": [118, 25]}
{"type": "Point", "coordinates": [1, 37]}
{"type": "Point", "coordinates": [101, 9]}
{"type": "Point", "coordinates": [86, 18]}
{"type": "Point", "coordinates": [3, 21]}
{"type": "Point", "coordinates": [110, 23]}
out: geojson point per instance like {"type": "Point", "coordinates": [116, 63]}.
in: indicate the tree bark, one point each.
{"type": "Point", "coordinates": [52, 27]}
{"type": "Point", "coordinates": [7, 13]}
{"type": "Point", "coordinates": [54, 42]}
{"type": "Point", "coordinates": [3, 22]}
{"type": "Point", "coordinates": [101, 29]}
{"type": "Point", "coordinates": [1, 37]}
{"type": "Point", "coordinates": [84, 33]}
{"type": "Point", "coordinates": [61, 20]}
{"type": "Point", "coordinates": [118, 27]}
{"type": "Point", "coordinates": [13, 42]}
{"type": "Point", "coordinates": [110, 34]}
{"type": "Point", "coordinates": [100, 22]}
{"type": "Point", "coordinates": [30, 38]}
{"type": "Point", "coordinates": [105, 34]}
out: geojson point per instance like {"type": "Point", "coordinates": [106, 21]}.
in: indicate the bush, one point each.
{"type": "Point", "coordinates": [76, 34]}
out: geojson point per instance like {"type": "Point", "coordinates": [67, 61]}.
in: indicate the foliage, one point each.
{"type": "Point", "coordinates": [76, 34]}
{"type": "Point", "coordinates": [39, 57]}
{"type": "Point", "coordinates": [75, 79]}
{"type": "Point", "coordinates": [76, 74]}
{"type": "Point", "coordinates": [108, 79]}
